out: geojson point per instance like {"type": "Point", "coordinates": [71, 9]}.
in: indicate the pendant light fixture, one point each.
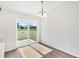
{"type": "Point", "coordinates": [42, 13]}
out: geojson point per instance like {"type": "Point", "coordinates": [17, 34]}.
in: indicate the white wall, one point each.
{"type": "Point", "coordinates": [8, 27]}
{"type": "Point", "coordinates": [61, 28]}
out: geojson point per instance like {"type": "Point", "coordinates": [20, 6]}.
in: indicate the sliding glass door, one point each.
{"type": "Point", "coordinates": [33, 31]}
{"type": "Point", "coordinates": [26, 30]}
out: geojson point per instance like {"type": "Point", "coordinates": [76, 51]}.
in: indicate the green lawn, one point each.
{"type": "Point", "coordinates": [23, 34]}
{"type": "Point", "coordinates": [33, 34]}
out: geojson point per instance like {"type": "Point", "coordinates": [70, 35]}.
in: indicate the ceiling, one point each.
{"type": "Point", "coordinates": [30, 7]}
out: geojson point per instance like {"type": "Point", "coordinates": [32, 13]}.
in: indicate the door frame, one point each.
{"type": "Point", "coordinates": [38, 31]}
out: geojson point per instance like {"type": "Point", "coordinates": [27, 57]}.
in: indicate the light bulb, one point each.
{"type": "Point", "coordinates": [42, 16]}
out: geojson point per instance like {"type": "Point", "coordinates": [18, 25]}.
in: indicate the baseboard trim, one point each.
{"type": "Point", "coordinates": [58, 49]}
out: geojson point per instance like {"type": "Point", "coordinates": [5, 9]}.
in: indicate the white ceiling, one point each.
{"type": "Point", "coordinates": [30, 7]}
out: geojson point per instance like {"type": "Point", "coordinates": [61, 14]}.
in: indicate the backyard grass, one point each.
{"type": "Point", "coordinates": [33, 34]}
{"type": "Point", "coordinates": [23, 34]}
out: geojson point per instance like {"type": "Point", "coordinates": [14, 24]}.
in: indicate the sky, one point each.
{"type": "Point", "coordinates": [26, 22]}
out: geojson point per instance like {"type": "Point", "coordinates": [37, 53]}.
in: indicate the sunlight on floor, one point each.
{"type": "Point", "coordinates": [24, 42]}
{"type": "Point", "coordinates": [35, 50]}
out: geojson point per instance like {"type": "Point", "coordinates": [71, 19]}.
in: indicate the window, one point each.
{"type": "Point", "coordinates": [26, 29]}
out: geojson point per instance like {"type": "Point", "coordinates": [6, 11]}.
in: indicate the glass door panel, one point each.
{"type": "Point", "coordinates": [22, 30]}
{"type": "Point", "coordinates": [33, 32]}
